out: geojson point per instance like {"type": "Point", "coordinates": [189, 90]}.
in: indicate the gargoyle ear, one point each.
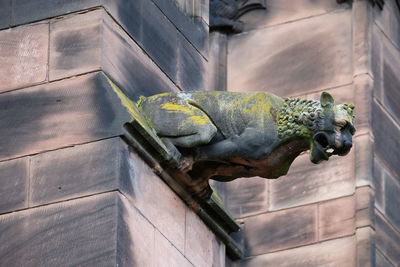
{"type": "Point", "coordinates": [326, 100]}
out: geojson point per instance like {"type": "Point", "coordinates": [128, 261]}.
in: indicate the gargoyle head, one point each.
{"type": "Point", "coordinates": [328, 127]}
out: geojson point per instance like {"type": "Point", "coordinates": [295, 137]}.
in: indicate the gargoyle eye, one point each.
{"type": "Point", "coordinates": [341, 123]}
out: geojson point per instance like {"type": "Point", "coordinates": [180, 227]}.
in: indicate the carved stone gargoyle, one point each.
{"type": "Point", "coordinates": [227, 135]}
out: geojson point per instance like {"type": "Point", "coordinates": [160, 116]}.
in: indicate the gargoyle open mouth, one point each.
{"type": "Point", "coordinates": [321, 149]}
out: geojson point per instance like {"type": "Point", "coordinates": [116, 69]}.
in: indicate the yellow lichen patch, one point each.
{"type": "Point", "coordinates": [177, 108]}
{"type": "Point", "coordinates": [257, 103]}
{"type": "Point", "coordinates": [198, 120]}
{"type": "Point", "coordinates": [125, 101]}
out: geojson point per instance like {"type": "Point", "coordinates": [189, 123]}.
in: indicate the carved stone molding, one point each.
{"type": "Point", "coordinates": [224, 14]}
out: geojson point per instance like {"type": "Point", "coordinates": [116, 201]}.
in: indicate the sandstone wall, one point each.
{"type": "Point", "coordinates": [71, 191]}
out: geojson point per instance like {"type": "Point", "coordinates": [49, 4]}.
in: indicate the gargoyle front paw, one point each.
{"type": "Point", "coordinates": [185, 164]}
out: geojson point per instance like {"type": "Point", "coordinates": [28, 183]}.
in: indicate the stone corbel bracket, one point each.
{"type": "Point", "coordinates": [224, 14]}
{"type": "Point", "coordinates": [163, 162]}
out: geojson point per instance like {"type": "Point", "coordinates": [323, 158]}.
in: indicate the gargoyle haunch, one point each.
{"type": "Point", "coordinates": [227, 135]}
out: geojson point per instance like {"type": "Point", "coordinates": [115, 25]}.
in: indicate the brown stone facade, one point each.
{"type": "Point", "coordinates": [72, 192]}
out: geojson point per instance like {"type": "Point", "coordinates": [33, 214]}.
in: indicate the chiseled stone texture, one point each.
{"type": "Point", "coordinates": [365, 247]}
{"type": "Point", "coordinates": [338, 252]}
{"type": "Point", "coordinates": [365, 202]}
{"type": "Point", "coordinates": [59, 114]}
{"type": "Point", "coordinates": [293, 58]}
{"type": "Point", "coordinates": [283, 11]}
{"type": "Point", "coordinates": [309, 183]}
{"type": "Point", "coordinates": [14, 182]}
{"type": "Point", "coordinates": [78, 232]}
{"type": "Point", "coordinates": [156, 201]}
{"type": "Point", "coordinates": [387, 239]}
{"type": "Point", "coordinates": [280, 230]}
{"type": "Point", "coordinates": [77, 171]}
{"type": "Point", "coordinates": [23, 56]}
{"type": "Point", "coordinates": [386, 138]}
{"type": "Point", "coordinates": [5, 13]}
{"type": "Point", "coordinates": [246, 196]}
{"type": "Point", "coordinates": [388, 20]}
{"type": "Point", "coordinates": [199, 240]}
{"type": "Point", "coordinates": [336, 218]}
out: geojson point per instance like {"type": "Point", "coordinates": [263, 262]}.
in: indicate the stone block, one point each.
{"type": "Point", "coordinates": [23, 56]}
{"type": "Point", "coordinates": [160, 39]}
{"type": "Point", "coordinates": [198, 242]}
{"type": "Point", "coordinates": [392, 200]}
{"type": "Point", "coordinates": [137, 243]}
{"type": "Point", "coordinates": [388, 20]}
{"type": "Point", "coordinates": [365, 202]}
{"type": "Point", "coordinates": [128, 64]}
{"type": "Point", "coordinates": [75, 45]}
{"type": "Point", "coordinates": [381, 260]}
{"type": "Point", "coordinates": [5, 13]}
{"type": "Point", "coordinates": [309, 183]}
{"type": "Point", "coordinates": [78, 232]}
{"type": "Point", "coordinates": [192, 69]}
{"type": "Point", "coordinates": [391, 78]}
{"type": "Point", "coordinates": [342, 94]}
{"type": "Point", "coordinates": [361, 21]}
{"type": "Point", "coordinates": [386, 138]}
{"type": "Point", "coordinates": [283, 11]}
{"type": "Point", "coordinates": [217, 63]}
{"type": "Point", "coordinates": [293, 58]}
{"type": "Point", "coordinates": [25, 11]}
{"type": "Point", "coordinates": [166, 254]}
{"type": "Point", "coordinates": [337, 218]}
{"type": "Point", "coordinates": [14, 182]}
{"type": "Point", "coordinates": [76, 171]}
{"type": "Point", "coordinates": [280, 230]}
{"type": "Point", "coordinates": [246, 196]}
{"type": "Point", "coordinates": [387, 239]}
{"type": "Point", "coordinates": [365, 247]}
{"type": "Point", "coordinates": [363, 89]}
{"type": "Point", "coordinates": [376, 60]}
{"type": "Point", "coordinates": [338, 252]}
{"type": "Point", "coordinates": [59, 114]}
{"type": "Point", "coordinates": [379, 186]}
{"type": "Point", "coordinates": [155, 200]}
{"type": "Point", "coordinates": [363, 148]}
{"type": "Point", "coordinates": [99, 43]}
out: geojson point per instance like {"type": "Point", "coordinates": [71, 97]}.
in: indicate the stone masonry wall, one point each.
{"type": "Point", "coordinates": [71, 191]}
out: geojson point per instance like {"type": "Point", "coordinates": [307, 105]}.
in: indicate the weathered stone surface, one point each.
{"type": "Point", "coordinates": [14, 183]}
{"type": "Point", "coordinates": [365, 247]}
{"type": "Point", "coordinates": [217, 62]}
{"type": "Point", "coordinates": [364, 206]}
{"type": "Point", "coordinates": [387, 239]}
{"type": "Point", "coordinates": [379, 185]}
{"type": "Point", "coordinates": [192, 73]}
{"type": "Point", "coordinates": [75, 45]}
{"type": "Point", "coordinates": [246, 196]}
{"type": "Point", "coordinates": [136, 237]}
{"type": "Point", "coordinates": [219, 253]}
{"type": "Point", "coordinates": [337, 218]}
{"type": "Point", "coordinates": [339, 252]}
{"type": "Point", "coordinates": [155, 200]}
{"type": "Point", "coordinates": [166, 254]}
{"type": "Point", "coordinates": [59, 114]}
{"type": "Point", "coordinates": [308, 183]}
{"type": "Point", "coordinates": [392, 200]}
{"type": "Point", "coordinates": [391, 79]}
{"type": "Point", "coordinates": [376, 60]}
{"type": "Point", "coordinates": [361, 22]}
{"type": "Point", "coordinates": [77, 171]}
{"type": "Point", "coordinates": [23, 56]}
{"type": "Point", "coordinates": [128, 64]}
{"type": "Point", "coordinates": [342, 94]}
{"type": "Point", "coordinates": [388, 20]}
{"type": "Point", "coordinates": [198, 241]}
{"type": "Point", "coordinates": [363, 89]}
{"type": "Point", "coordinates": [386, 137]}
{"type": "Point", "coordinates": [26, 11]}
{"type": "Point", "coordinates": [5, 13]}
{"type": "Point", "coordinates": [363, 148]}
{"type": "Point", "coordinates": [293, 58]}
{"type": "Point", "coordinates": [78, 232]}
{"type": "Point", "coordinates": [280, 230]}
{"type": "Point", "coordinates": [283, 11]}
{"type": "Point", "coordinates": [381, 261]}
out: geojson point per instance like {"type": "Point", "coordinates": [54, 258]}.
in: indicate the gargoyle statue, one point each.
{"type": "Point", "coordinates": [227, 135]}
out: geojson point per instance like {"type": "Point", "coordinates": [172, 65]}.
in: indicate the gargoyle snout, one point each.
{"type": "Point", "coordinates": [344, 149]}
